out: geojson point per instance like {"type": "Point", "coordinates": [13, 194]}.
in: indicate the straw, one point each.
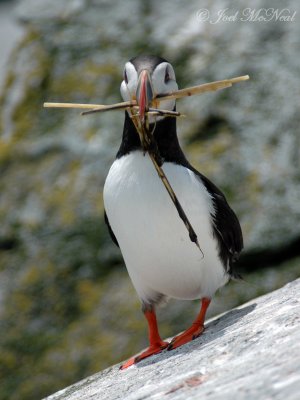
{"type": "Point", "coordinates": [191, 91]}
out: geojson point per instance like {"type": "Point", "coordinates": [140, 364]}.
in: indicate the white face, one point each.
{"type": "Point", "coordinates": [163, 81]}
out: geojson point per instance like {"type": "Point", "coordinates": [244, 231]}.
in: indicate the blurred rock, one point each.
{"type": "Point", "coordinates": [10, 33]}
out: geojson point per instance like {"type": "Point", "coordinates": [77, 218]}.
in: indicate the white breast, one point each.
{"type": "Point", "coordinates": [155, 244]}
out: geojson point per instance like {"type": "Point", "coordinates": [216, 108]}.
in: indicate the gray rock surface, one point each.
{"type": "Point", "coordinates": [251, 352]}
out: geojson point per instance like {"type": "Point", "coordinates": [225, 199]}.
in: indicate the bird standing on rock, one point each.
{"type": "Point", "coordinates": [160, 258]}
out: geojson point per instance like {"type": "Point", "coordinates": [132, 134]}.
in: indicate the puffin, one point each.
{"type": "Point", "coordinates": [160, 258]}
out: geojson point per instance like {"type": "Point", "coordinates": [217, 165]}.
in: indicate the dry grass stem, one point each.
{"type": "Point", "coordinates": [191, 91]}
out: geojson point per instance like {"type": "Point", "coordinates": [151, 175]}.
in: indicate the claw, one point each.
{"type": "Point", "coordinates": [192, 333]}
{"type": "Point", "coordinates": [195, 330]}
{"type": "Point", "coordinates": [154, 349]}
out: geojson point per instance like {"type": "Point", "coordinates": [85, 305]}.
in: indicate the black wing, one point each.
{"type": "Point", "coordinates": [227, 229]}
{"type": "Point", "coordinates": [112, 235]}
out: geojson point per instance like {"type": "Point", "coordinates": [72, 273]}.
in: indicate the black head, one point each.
{"type": "Point", "coordinates": [145, 77]}
{"type": "Point", "coordinates": [146, 62]}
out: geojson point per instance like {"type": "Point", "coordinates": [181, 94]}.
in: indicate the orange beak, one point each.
{"type": "Point", "coordinates": [144, 93]}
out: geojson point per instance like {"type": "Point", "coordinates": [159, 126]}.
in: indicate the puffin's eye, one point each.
{"type": "Point", "coordinates": [125, 77]}
{"type": "Point", "coordinates": [167, 76]}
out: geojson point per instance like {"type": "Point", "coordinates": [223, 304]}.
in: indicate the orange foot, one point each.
{"type": "Point", "coordinates": [187, 336]}
{"type": "Point", "coordinates": [153, 349]}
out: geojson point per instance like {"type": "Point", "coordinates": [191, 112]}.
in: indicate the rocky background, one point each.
{"type": "Point", "coordinates": [67, 306]}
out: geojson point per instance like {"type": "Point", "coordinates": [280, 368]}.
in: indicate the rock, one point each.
{"type": "Point", "coordinates": [250, 352]}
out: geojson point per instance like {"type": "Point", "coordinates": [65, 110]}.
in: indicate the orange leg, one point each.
{"type": "Point", "coordinates": [195, 330]}
{"type": "Point", "coordinates": [156, 344]}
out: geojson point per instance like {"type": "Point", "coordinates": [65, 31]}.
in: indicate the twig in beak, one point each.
{"type": "Point", "coordinates": [69, 105]}
{"type": "Point", "coordinates": [117, 106]}
{"type": "Point", "coordinates": [199, 89]}
{"type": "Point", "coordinates": [149, 145]}
{"type": "Point", "coordinates": [156, 112]}
{"type": "Point", "coordinates": [181, 213]}
{"type": "Point", "coordinates": [91, 107]}
{"type": "Point", "coordinates": [194, 90]}
{"type": "Point", "coordinates": [167, 113]}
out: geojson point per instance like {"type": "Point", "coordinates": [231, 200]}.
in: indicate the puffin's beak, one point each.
{"type": "Point", "coordinates": [144, 93]}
